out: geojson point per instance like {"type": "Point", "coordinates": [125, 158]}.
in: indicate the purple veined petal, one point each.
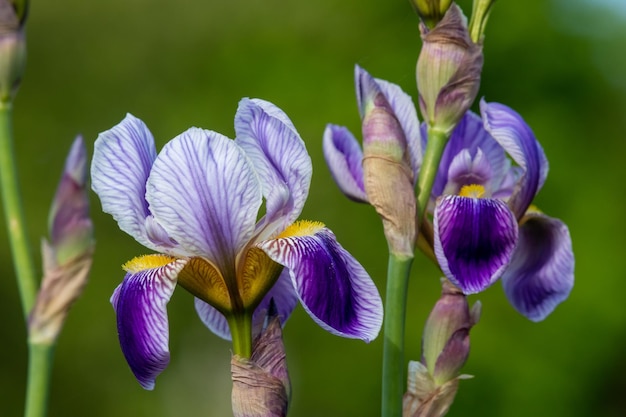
{"type": "Point", "coordinates": [280, 159]}
{"type": "Point", "coordinates": [515, 136]}
{"type": "Point", "coordinates": [465, 170]}
{"type": "Point", "coordinates": [344, 158]}
{"type": "Point", "coordinates": [205, 194]}
{"type": "Point", "coordinates": [140, 304]}
{"type": "Point", "coordinates": [332, 286]}
{"type": "Point", "coordinates": [474, 240]}
{"type": "Point", "coordinates": [122, 160]}
{"type": "Point", "coordinates": [469, 135]}
{"type": "Point", "coordinates": [403, 109]}
{"type": "Point", "coordinates": [541, 273]}
{"type": "Point", "coordinates": [285, 300]}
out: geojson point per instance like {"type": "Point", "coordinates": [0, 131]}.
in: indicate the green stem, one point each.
{"type": "Point", "coordinates": [437, 141]}
{"type": "Point", "coordinates": [241, 332]}
{"type": "Point", "coordinates": [393, 348]}
{"type": "Point", "coordinates": [39, 367]}
{"type": "Point", "coordinates": [16, 227]}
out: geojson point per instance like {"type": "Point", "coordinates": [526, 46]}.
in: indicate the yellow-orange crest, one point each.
{"type": "Point", "coordinates": [141, 263]}
{"type": "Point", "coordinates": [472, 191]}
{"type": "Point", "coordinates": [302, 228]}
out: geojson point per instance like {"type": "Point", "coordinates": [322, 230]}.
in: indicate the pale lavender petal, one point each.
{"type": "Point", "coordinates": [474, 240]}
{"type": "Point", "coordinates": [205, 194]}
{"type": "Point", "coordinates": [470, 135]}
{"type": "Point", "coordinates": [465, 170]}
{"type": "Point", "coordinates": [515, 136]}
{"type": "Point", "coordinates": [285, 300]}
{"type": "Point", "coordinates": [279, 157]}
{"type": "Point", "coordinates": [332, 286]}
{"type": "Point", "coordinates": [122, 159]}
{"type": "Point", "coordinates": [344, 158]}
{"type": "Point", "coordinates": [140, 304]}
{"type": "Point", "coordinates": [541, 273]}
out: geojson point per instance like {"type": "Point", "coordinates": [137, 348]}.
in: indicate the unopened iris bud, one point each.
{"type": "Point", "coordinates": [12, 50]}
{"type": "Point", "coordinates": [448, 71]}
{"type": "Point", "coordinates": [67, 257]}
{"type": "Point", "coordinates": [431, 11]}
{"type": "Point", "coordinates": [433, 382]}
{"type": "Point", "coordinates": [261, 386]}
{"type": "Point", "coordinates": [387, 172]}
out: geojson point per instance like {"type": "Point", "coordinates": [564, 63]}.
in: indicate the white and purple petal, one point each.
{"type": "Point", "coordinates": [344, 158]}
{"type": "Point", "coordinates": [541, 273]}
{"type": "Point", "coordinates": [474, 240]}
{"type": "Point", "coordinates": [279, 157]}
{"type": "Point", "coordinates": [511, 131]}
{"type": "Point", "coordinates": [285, 300]}
{"type": "Point", "coordinates": [470, 135]}
{"type": "Point", "coordinates": [332, 286]}
{"type": "Point", "coordinates": [140, 304]}
{"type": "Point", "coordinates": [467, 170]}
{"type": "Point", "coordinates": [122, 160]}
{"type": "Point", "coordinates": [206, 195]}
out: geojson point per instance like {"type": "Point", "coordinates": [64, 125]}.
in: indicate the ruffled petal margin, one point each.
{"type": "Point", "coordinates": [344, 158]}
{"type": "Point", "coordinates": [474, 240]}
{"type": "Point", "coordinates": [541, 273]}
{"type": "Point", "coordinates": [140, 304]}
{"type": "Point", "coordinates": [332, 286]}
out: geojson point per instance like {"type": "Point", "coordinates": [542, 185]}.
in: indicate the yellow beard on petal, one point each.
{"type": "Point", "coordinates": [141, 263]}
{"type": "Point", "coordinates": [472, 191]}
{"type": "Point", "coordinates": [301, 228]}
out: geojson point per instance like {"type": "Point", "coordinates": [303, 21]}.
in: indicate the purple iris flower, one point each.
{"type": "Point", "coordinates": [197, 204]}
{"type": "Point", "coordinates": [484, 225]}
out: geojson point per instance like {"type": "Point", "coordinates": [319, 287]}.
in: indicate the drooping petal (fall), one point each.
{"type": "Point", "coordinates": [285, 300]}
{"type": "Point", "coordinates": [204, 192]}
{"type": "Point", "coordinates": [344, 158]}
{"type": "Point", "coordinates": [279, 156]}
{"type": "Point", "coordinates": [511, 131]}
{"type": "Point", "coordinates": [332, 286]}
{"type": "Point", "coordinates": [474, 240]}
{"type": "Point", "coordinates": [122, 160]}
{"type": "Point", "coordinates": [541, 273]}
{"type": "Point", "coordinates": [140, 304]}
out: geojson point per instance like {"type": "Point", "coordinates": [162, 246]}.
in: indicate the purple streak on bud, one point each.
{"type": "Point", "coordinates": [448, 71]}
{"type": "Point", "coordinates": [446, 334]}
{"type": "Point", "coordinates": [71, 230]}
{"type": "Point", "coordinates": [261, 386]}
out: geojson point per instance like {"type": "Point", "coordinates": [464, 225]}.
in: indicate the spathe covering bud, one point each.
{"type": "Point", "coordinates": [67, 257]}
{"type": "Point", "coordinates": [387, 170]}
{"type": "Point", "coordinates": [261, 386]}
{"type": "Point", "coordinates": [12, 49]}
{"type": "Point", "coordinates": [433, 382]}
{"type": "Point", "coordinates": [448, 71]}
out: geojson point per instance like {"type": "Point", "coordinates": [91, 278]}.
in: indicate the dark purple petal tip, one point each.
{"type": "Point", "coordinates": [541, 273]}
{"type": "Point", "coordinates": [474, 240]}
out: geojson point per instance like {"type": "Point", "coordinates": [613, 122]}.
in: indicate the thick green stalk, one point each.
{"type": "Point", "coordinates": [437, 141]}
{"type": "Point", "coordinates": [393, 348]}
{"type": "Point", "coordinates": [241, 331]}
{"type": "Point", "coordinates": [39, 369]}
{"type": "Point", "coordinates": [16, 228]}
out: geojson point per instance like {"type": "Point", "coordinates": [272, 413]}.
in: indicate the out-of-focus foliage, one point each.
{"type": "Point", "coordinates": [561, 64]}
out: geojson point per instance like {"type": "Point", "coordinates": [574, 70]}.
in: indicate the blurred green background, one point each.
{"type": "Point", "coordinates": [176, 64]}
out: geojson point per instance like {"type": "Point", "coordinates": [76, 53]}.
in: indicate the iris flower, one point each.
{"type": "Point", "coordinates": [197, 205]}
{"type": "Point", "coordinates": [483, 224]}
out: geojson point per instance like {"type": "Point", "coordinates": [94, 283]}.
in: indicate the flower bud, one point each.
{"type": "Point", "coordinates": [431, 11]}
{"type": "Point", "coordinates": [67, 258]}
{"type": "Point", "coordinates": [387, 171]}
{"type": "Point", "coordinates": [12, 50]}
{"type": "Point", "coordinates": [448, 71]}
{"type": "Point", "coordinates": [261, 386]}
